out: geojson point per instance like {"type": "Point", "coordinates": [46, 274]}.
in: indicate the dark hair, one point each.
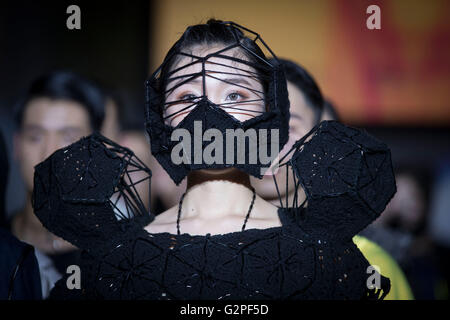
{"type": "Point", "coordinates": [298, 76]}
{"type": "Point", "coordinates": [213, 32]}
{"type": "Point", "coordinates": [64, 85]}
{"type": "Point", "coordinates": [328, 106]}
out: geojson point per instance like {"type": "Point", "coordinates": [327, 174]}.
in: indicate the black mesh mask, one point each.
{"type": "Point", "coordinates": [226, 88]}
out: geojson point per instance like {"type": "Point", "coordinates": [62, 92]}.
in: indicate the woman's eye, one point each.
{"type": "Point", "coordinates": [188, 97]}
{"type": "Point", "coordinates": [234, 97]}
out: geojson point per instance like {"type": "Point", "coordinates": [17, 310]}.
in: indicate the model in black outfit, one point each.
{"type": "Point", "coordinates": [221, 241]}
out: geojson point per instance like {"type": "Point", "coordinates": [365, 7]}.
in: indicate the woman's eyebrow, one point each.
{"type": "Point", "coordinates": [197, 79]}
{"type": "Point", "coordinates": [193, 81]}
{"type": "Point", "coordinates": [182, 81]}
{"type": "Point", "coordinates": [233, 80]}
{"type": "Point", "coordinates": [237, 80]}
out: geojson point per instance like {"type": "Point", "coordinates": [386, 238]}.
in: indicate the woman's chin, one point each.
{"type": "Point", "coordinates": [217, 171]}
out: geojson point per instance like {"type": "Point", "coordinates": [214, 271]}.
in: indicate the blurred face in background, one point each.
{"type": "Point", "coordinates": [406, 211]}
{"type": "Point", "coordinates": [300, 123]}
{"type": "Point", "coordinates": [302, 115]}
{"type": "Point", "coordinates": [47, 125]}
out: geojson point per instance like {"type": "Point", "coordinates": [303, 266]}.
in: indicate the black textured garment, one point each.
{"type": "Point", "coordinates": [347, 177]}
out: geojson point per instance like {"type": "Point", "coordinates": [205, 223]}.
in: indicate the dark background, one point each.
{"type": "Point", "coordinates": [112, 48]}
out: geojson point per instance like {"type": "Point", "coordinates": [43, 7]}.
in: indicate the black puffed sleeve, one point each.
{"type": "Point", "coordinates": [73, 189]}
{"type": "Point", "coordinates": [347, 177]}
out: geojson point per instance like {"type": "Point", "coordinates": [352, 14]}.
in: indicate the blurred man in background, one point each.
{"type": "Point", "coordinates": [58, 109]}
{"type": "Point", "coordinates": [19, 271]}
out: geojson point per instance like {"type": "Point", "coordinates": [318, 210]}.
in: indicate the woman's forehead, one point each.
{"type": "Point", "coordinates": [225, 63]}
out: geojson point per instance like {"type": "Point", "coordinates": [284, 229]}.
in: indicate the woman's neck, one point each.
{"type": "Point", "coordinates": [214, 198]}
{"type": "Point", "coordinates": [234, 175]}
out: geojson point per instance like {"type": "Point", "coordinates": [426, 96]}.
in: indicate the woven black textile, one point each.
{"type": "Point", "coordinates": [348, 179]}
